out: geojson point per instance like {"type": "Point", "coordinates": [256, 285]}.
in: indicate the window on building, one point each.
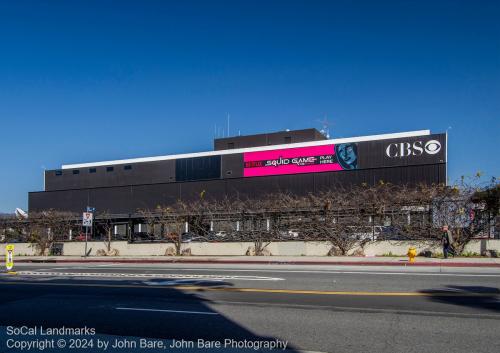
{"type": "Point", "coordinates": [198, 168]}
{"type": "Point", "coordinates": [76, 171]}
{"type": "Point", "coordinates": [92, 170]}
{"type": "Point", "coordinates": [58, 172]}
{"type": "Point", "coordinates": [127, 167]}
{"type": "Point", "coordinates": [288, 139]}
{"type": "Point", "coordinates": [120, 231]}
{"type": "Point", "coordinates": [110, 169]}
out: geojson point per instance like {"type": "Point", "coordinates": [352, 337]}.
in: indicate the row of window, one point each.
{"type": "Point", "coordinates": [94, 170]}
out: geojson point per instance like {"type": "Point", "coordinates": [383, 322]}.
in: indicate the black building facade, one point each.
{"type": "Point", "coordinates": [272, 138]}
{"type": "Point", "coordinates": [300, 162]}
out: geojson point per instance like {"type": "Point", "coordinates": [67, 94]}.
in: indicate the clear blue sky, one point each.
{"type": "Point", "coordinates": [96, 80]}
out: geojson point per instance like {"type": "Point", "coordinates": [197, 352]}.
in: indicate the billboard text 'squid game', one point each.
{"type": "Point", "coordinates": [327, 158]}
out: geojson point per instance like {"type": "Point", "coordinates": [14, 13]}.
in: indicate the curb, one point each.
{"type": "Point", "coordinates": [270, 262]}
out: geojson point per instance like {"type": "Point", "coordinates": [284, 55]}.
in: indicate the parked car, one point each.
{"type": "Point", "coordinates": [13, 240]}
{"type": "Point", "coordinates": [217, 236]}
{"type": "Point", "coordinates": [289, 234]}
{"type": "Point", "coordinates": [81, 237]}
{"type": "Point", "coordinates": [190, 237]}
{"type": "Point", "coordinates": [221, 234]}
{"type": "Point", "coordinates": [391, 233]}
{"type": "Point", "coordinates": [361, 232]}
{"type": "Point", "coordinates": [143, 236]}
{"type": "Point", "coordinates": [120, 237]}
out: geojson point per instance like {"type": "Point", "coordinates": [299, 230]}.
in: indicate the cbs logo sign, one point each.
{"type": "Point", "coordinates": [417, 148]}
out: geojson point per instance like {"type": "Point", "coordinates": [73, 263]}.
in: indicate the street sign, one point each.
{"type": "Point", "coordinates": [9, 256]}
{"type": "Point", "coordinates": [90, 209]}
{"type": "Point", "coordinates": [87, 219]}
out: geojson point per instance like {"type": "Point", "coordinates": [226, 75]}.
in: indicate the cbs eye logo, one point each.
{"type": "Point", "coordinates": [417, 148]}
{"type": "Point", "coordinates": [432, 147]}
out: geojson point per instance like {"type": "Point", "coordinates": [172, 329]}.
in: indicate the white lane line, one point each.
{"type": "Point", "coordinates": [63, 268]}
{"type": "Point", "coordinates": [150, 275]}
{"type": "Point", "coordinates": [169, 311]}
{"type": "Point", "coordinates": [416, 274]}
{"type": "Point", "coordinates": [325, 272]}
{"type": "Point", "coordinates": [73, 268]}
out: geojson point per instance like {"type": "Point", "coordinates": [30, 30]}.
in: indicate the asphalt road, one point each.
{"type": "Point", "coordinates": [312, 308]}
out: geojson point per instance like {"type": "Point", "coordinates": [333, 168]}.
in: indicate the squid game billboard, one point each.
{"type": "Point", "coordinates": [314, 159]}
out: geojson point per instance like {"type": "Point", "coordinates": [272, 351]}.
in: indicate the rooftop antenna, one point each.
{"type": "Point", "coordinates": [325, 126]}
{"type": "Point", "coordinates": [228, 116]}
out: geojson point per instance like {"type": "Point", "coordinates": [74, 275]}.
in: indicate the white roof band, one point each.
{"type": "Point", "coordinates": [251, 149]}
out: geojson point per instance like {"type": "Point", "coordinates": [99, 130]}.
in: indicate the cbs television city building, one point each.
{"type": "Point", "coordinates": [299, 162]}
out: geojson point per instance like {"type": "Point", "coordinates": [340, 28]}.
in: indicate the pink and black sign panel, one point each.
{"type": "Point", "coordinates": [315, 159]}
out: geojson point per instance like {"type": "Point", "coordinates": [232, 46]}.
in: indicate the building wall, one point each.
{"type": "Point", "coordinates": [273, 138]}
{"type": "Point", "coordinates": [286, 248]}
{"type": "Point", "coordinates": [370, 155]}
{"type": "Point", "coordinates": [127, 199]}
{"type": "Point", "coordinates": [140, 173]}
{"type": "Point", "coordinates": [317, 166]}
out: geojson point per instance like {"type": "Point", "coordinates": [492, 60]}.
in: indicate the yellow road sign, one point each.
{"type": "Point", "coordinates": [9, 256]}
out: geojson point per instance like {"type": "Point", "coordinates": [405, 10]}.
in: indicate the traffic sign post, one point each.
{"type": "Point", "coordinates": [87, 220]}
{"type": "Point", "coordinates": [9, 257]}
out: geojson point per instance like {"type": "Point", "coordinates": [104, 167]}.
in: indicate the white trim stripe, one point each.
{"type": "Point", "coordinates": [250, 149]}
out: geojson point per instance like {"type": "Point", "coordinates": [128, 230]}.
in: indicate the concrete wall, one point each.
{"type": "Point", "coordinates": [20, 249]}
{"type": "Point", "coordinates": [292, 248]}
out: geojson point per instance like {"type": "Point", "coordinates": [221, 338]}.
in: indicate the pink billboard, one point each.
{"type": "Point", "coordinates": [291, 161]}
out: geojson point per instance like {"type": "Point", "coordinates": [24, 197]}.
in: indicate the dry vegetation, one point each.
{"type": "Point", "coordinates": [343, 216]}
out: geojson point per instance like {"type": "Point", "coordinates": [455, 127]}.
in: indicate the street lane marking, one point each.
{"type": "Point", "coordinates": [264, 290]}
{"type": "Point", "coordinates": [170, 311]}
{"type": "Point", "coordinates": [357, 309]}
{"type": "Point", "coordinates": [415, 274]}
{"type": "Point", "coordinates": [149, 275]}
{"type": "Point", "coordinates": [451, 274]}
{"type": "Point", "coordinates": [350, 293]}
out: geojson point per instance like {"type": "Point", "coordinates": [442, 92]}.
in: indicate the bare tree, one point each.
{"type": "Point", "coordinates": [172, 220]}
{"type": "Point", "coordinates": [346, 216]}
{"type": "Point", "coordinates": [44, 228]}
{"type": "Point", "coordinates": [105, 222]}
{"type": "Point", "coordinates": [467, 208]}
{"type": "Point", "coordinates": [11, 228]}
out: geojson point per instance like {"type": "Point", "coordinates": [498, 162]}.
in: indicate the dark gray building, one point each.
{"type": "Point", "coordinates": [299, 161]}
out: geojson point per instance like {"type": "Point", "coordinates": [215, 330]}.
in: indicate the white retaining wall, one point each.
{"type": "Point", "coordinates": [291, 248]}
{"type": "Point", "coordinates": [20, 249]}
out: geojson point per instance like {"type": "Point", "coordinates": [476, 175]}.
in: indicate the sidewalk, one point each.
{"type": "Point", "coordinates": [269, 260]}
